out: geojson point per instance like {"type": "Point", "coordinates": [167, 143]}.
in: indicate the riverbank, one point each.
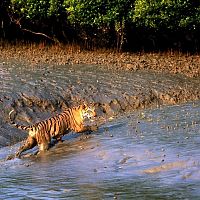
{"type": "Point", "coordinates": [38, 79]}
{"type": "Point", "coordinates": [36, 55]}
{"type": "Point", "coordinates": [143, 144]}
{"type": "Point", "coordinates": [37, 93]}
{"type": "Point", "coordinates": [147, 141]}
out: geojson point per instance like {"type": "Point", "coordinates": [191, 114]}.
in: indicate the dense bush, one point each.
{"type": "Point", "coordinates": [98, 12]}
{"type": "Point", "coordinates": [33, 9]}
{"type": "Point", "coordinates": [167, 14]}
{"type": "Point", "coordinates": [102, 15]}
{"type": "Point", "coordinates": [112, 21]}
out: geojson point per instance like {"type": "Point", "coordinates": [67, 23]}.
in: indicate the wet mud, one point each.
{"type": "Point", "coordinates": [38, 93]}
{"type": "Point", "coordinates": [151, 154]}
{"type": "Point", "coordinates": [147, 144]}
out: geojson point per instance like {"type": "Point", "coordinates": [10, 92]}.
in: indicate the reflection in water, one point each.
{"type": "Point", "coordinates": [153, 154]}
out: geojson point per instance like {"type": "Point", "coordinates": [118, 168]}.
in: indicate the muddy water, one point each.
{"type": "Point", "coordinates": [143, 154]}
{"type": "Point", "coordinates": [152, 154]}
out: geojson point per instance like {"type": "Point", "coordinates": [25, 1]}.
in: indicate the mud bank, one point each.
{"type": "Point", "coordinates": [37, 93]}
{"type": "Point", "coordinates": [141, 153]}
{"type": "Point", "coordinates": [36, 55]}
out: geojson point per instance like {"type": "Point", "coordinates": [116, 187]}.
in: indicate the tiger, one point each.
{"type": "Point", "coordinates": [41, 133]}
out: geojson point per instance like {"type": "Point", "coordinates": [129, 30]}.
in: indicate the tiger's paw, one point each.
{"type": "Point", "coordinates": [94, 128]}
{"type": "Point", "coordinates": [10, 157]}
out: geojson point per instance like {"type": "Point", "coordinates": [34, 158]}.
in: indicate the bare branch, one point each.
{"type": "Point", "coordinates": [17, 22]}
{"type": "Point", "coordinates": [38, 33]}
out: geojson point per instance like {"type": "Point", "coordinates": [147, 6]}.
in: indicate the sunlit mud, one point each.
{"type": "Point", "coordinates": [144, 149]}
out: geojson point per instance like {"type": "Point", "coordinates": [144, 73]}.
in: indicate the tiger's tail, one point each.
{"type": "Point", "coordinates": [22, 127]}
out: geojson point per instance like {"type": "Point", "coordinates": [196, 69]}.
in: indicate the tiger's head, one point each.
{"type": "Point", "coordinates": [84, 117]}
{"type": "Point", "coordinates": [87, 112]}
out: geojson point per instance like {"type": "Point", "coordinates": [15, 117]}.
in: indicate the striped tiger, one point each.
{"type": "Point", "coordinates": [41, 133]}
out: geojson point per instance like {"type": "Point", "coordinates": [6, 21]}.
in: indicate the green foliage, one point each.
{"type": "Point", "coordinates": [97, 12]}
{"type": "Point", "coordinates": [34, 9]}
{"type": "Point", "coordinates": [172, 14]}
{"type": "Point", "coordinates": [83, 12]}
{"type": "Point", "coordinates": [155, 14]}
{"type": "Point", "coordinates": [116, 19]}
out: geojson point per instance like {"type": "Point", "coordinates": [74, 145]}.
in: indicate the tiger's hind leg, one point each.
{"type": "Point", "coordinates": [44, 140]}
{"type": "Point", "coordinates": [29, 144]}
{"type": "Point", "coordinates": [44, 146]}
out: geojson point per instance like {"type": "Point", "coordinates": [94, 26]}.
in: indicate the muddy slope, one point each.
{"type": "Point", "coordinates": [40, 92]}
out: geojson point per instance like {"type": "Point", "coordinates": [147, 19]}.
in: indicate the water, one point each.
{"type": "Point", "coordinates": [152, 154]}
{"type": "Point", "coordinates": [146, 154]}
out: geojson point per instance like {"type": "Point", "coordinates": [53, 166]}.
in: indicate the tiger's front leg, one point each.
{"type": "Point", "coordinates": [58, 138]}
{"type": "Point", "coordinates": [93, 128]}
{"type": "Point", "coordinates": [29, 144]}
{"type": "Point", "coordinates": [89, 128]}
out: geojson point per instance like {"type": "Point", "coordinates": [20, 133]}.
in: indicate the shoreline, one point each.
{"type": "Point", "coordinates": [40, 54]}
{"type": "Point", "coordinates": [125, 91]}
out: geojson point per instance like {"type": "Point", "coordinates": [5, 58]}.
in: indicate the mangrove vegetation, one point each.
{"type": "Point", "coordinates": [120, 24]}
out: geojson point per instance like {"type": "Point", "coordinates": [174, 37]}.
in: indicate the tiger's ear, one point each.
{"type": "Point", "coordinates": [85, 106]}
{"type": "Point", "coordinates": [82, 106]}
{"type": "Point", "coordinates": [94, 104]}
{"type": "Point", "coordinates": [91, 104]}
